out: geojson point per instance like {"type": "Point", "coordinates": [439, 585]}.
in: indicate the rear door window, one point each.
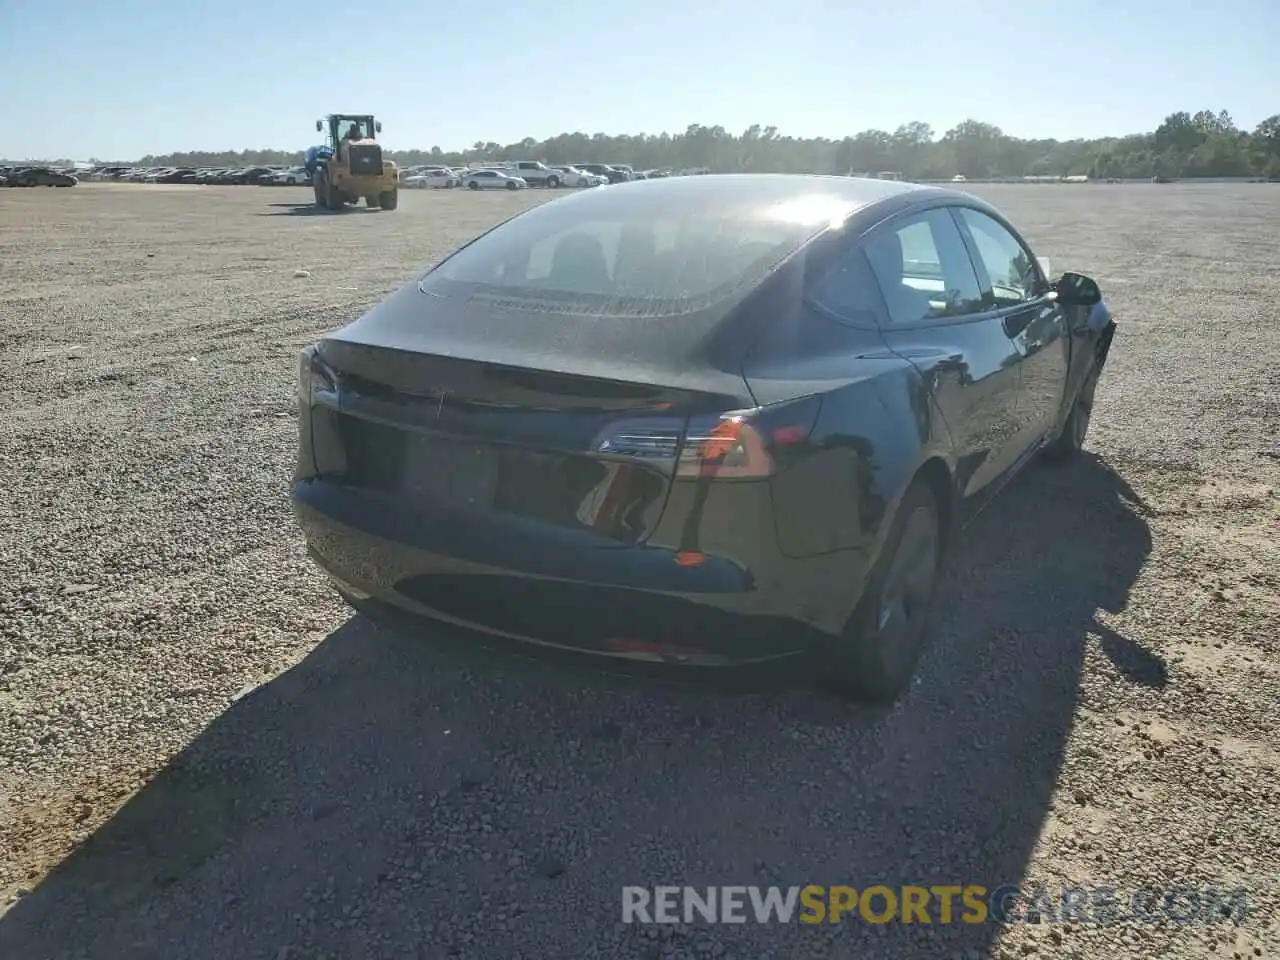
{"type": "Point", "coordinates": [923, 268]}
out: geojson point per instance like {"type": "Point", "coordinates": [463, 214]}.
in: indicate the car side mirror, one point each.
{"type": "Point", "coordinates": [1077, 290]}
{"type": "Point", "coordinates": [377, 126]}
{"type": "Point", "coordinates": [319, 126]}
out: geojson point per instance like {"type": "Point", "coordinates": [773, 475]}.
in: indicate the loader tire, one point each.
{"type": "Point", "coordinates": [389, 199]}
{"type": "Point", "coordinates": [329, 197]}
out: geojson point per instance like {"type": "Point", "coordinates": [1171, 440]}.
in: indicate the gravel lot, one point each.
{"type": "Point", "coordinates": [203, 755]}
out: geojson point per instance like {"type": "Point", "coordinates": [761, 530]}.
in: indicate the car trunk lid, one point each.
{"type": "Point", "coordinates": [431, 406]}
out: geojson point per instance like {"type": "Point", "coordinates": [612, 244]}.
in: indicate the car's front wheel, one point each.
{"type": "Point", "coordinates": [896, 616]}
{"type": "Point", "coordinates": [473, 185]}
{"type": "Point", "coordinates": [512, 185]}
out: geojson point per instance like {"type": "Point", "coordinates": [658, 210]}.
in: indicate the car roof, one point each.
{"type": "Point", "coordinates": [777, 186]}
{"type": "Point", "coordinates": [819, 198]}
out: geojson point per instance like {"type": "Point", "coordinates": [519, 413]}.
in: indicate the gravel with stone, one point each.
{"type": "Point", "coordinates": [204, 754]}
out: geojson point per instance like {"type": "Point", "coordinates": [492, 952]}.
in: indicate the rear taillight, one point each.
{"type": "Point", "coordinates": [740, 444]}
{"type": "Point", "coordinates": [316, 378]}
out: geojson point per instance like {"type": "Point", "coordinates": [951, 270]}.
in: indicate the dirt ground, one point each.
{"type": "Point", "coordinates": [203, 755]}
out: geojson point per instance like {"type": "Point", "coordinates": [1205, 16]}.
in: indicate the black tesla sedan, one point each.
{"type": "Point", "coordinates": [706, 420]}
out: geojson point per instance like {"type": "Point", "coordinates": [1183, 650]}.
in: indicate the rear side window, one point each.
{"type": "Point", "coordinates": [850, 291]}
{"type": "Point", "coordinates": [629, 255]}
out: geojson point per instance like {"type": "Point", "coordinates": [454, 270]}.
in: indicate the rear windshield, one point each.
{"type": "Point", "coordinates": [631, 256]}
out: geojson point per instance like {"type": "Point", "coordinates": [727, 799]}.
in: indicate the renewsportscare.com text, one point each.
{"type": "Point", "coordinates": [941, 904]}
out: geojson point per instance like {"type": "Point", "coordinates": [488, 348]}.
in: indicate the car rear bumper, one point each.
{"type": "Point", "coordinates": [555, 589]}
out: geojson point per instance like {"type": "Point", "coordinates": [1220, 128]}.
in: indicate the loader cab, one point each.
{"type": "Point", "coordinates": [351, 138]}
{"type": "Point", "coordinates": [344, 127]}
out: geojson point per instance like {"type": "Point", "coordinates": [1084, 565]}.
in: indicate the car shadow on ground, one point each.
{"type": "Point", "coordinates": [394, 797]}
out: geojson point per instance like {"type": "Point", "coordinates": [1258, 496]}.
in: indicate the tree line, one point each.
{"type": "Point", "coordinates": [1201, 144]}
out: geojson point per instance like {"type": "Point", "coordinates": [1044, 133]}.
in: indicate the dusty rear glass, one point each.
{"type": "Point", "coordinates": [629, 250]}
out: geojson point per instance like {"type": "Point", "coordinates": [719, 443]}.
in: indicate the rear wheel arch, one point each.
{"type": "Point", "coordinates": [937, 477]}
{"type": "Point", "coordinates": [894, 617]}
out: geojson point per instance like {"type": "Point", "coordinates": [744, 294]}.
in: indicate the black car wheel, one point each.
{"type": "Point", "coordinates": [511, 185]}
{"type": "Point", "coordinates": [553, 182]}
{"type": "Point", "coordinates": [895, 618]}
{"type": "Point", "coordinates": [1070, 442]}
{"type": "Point", "coordinates": [474, 185]}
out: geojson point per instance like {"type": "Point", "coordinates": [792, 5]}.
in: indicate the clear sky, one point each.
{"type": "Point", "coordinates": [117, 79]}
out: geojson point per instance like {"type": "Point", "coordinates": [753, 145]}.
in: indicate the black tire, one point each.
{"type": "Point", "coordinates": [326, 196]}
{"type": "Point", "coordinates": [373, 203]}
{"type": "Point", "coordinates": [389, 199]}
{"type": "Point", "coordinates": [473, 185]}
{"type": "Point", "coordinates": [511, 185]}
{"type": "Point", "coordinates": [332, 199]}
{"type": "Point", "coordinates": [317, 187]}
{"type": "Point", "coordinates": [553, 182]}
{"type": "Point", "coordinates": [1068, 444]}
{"type": "Point", "coordinates": [896, 617]}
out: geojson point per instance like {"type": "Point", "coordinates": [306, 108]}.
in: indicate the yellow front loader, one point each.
{"type": "Point", "coordinates": [350, 164]}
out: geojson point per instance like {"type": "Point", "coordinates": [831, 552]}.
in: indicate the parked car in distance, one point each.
{"type": "Point", "coordinates": [178, 176]}
{"type": "Point", "coordinates": [434, 168]}
{"type": "Point", "coordinates": [492, 180]}
{"type": "Point", "coordinates": [625, 169]}
{"type": "Point", "coordinates": [438, 179]}
{"type": "Point", "coordinates": [573, 177]}
{"type": "Point", "coordinates": [603, 170]}
{"type": "Point", "coordinates": [698, 420]}
{"type": "Point", "coordinates": [40, 177]}
{"type": "Point", "coordinates": [253, 175]}
{"type": "Point", "coordinates": [292, 177]}
{"type": "Point", "coordinates": [534, 172]}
